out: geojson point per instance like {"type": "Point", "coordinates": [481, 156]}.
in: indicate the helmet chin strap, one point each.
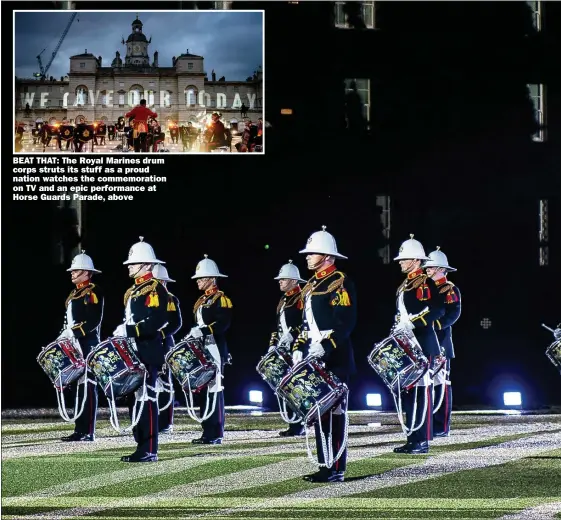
{"type": "Point", "coordinates": [319, 263]}
{"type": "Point", "coordinates": [408, 269]}
{"type": "Point", "coordinates": [137, 271]}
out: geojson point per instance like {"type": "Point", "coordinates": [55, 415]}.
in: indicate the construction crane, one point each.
{"type": "Point", "coordinates": [43, 73]}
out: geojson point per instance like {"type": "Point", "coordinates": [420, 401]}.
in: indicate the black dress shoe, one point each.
{"type": "Point", "coordinates": [325, 475]}
{"type": "Point", "coordinates": [204, 440]}
{"type": "Point", "coordinates": [418, 448]}
{"type": "Point", "coordinates": [140, 457]}
{"type": "Point", "coordinates": [292, 433]}
{"type": "Point", "coordinates": [79, 437]}
{"type": "Point", "coordinates": [167, 429]}
{"type": "Point", "coordinates": [442, 434]}
{"type": "Point", "coordinates": [403, 449]}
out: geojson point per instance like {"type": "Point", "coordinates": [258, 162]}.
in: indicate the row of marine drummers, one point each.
{"type": "Point", "coordinates": [308, 364]}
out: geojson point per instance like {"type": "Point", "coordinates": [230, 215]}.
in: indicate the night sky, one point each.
{"type": "Point", "coordinates": [230, 42]}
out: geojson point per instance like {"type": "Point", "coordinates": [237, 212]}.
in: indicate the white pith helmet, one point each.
{"type": "Point", "coordinates": [207, 268]}
{"type": "Point", "coordinates": [322, 243]}
{"type": "Point", "coordinates": [289, 272]}
{"type": "Point", "coordinates": [142, 253]}
{"type": "Point", "coordinates": [411, 250]}
{"type": "Point", "coordinates": [82, 262]}
{"type": "Point", "coordinates": [438, 259]}
{"type": "Point", "coordinates": [161, 273]}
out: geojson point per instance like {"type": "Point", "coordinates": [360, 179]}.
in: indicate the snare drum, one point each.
{"type": "Point", "coordinates": [274, 366]}
{"type": "Point", "coordinates": [311, 390]}
{"type": "Point", "coordinates": [192, 364]}
{"type": "Point", "coordinates": [399, 361]}
{"type": "Point", "coordinates": [553, 352]}
{"type": "Point", "coordinates": [62, 362]}
{"type": "Point", "coordinates": [116, 367]}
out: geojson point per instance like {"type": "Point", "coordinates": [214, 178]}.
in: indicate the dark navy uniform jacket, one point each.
{"type": "Point", "coordinates": [291, 304]}
{"type": "Point", "coordinates": [148, 300]}
{"type": "Point", "coordinates": [452, 302]}
{"type": "Point", "coordinates": [86, 304]}
{"type": "Point", "coordinates": [333, 303]}
{"type": "Point", "coordinates": [174, 322]}
{"type": "Point", "coordinates": [420, 296]}
{"type": "Point", "coordinates": [216, 313]}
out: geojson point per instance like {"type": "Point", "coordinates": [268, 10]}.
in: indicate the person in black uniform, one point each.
{"type": "Point", "coordinates": [289, 322]}
{"type": "Point", "coordinates": [418, 309]}
{"type": "Point", "coordinates": [437, 268]}
{"type": "Point", "coordinates": [146, 315]}
{"type": "Point", "coordinates": [174, 324]}
{"type": "Point", "coordinates": [329, 318]}
{"type": "Point", "coordinates": [212, 312]}
{"type": "Point", "coordinates": [84, 312]}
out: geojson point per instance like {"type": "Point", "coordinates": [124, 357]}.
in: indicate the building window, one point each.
{"type": "Point", "coordinates": [190, 96]}
{"type": "Point", "coordinates": [368, 15]}
{"type": "Point", "coordinates": [81, 95]}
{"type": "Point", "coordinates": [190, 66]}
{"type": "Point", "coordinates": [60, 103]}
{"type": "Point", "coordinates": [544, 233]}
{"type": "Point", "coordinates": [362, 87]}
{"type": "Point", "coordinates": [236, 89]}
{"type": "Point", "coordinates": [135, 95]}
{"type": "Point", "coordinates": [121, 84]}
{"type": "Point", "coordinates": [82, 65]}
{"type": "Point", "coordinates": [122, 97]}
{"type": "Point", "coordinates": [537, 95]}
{"type": "Point", "coordinates": [536, 8]}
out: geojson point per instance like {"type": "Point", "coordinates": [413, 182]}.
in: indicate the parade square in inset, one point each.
{"type": "Point", "coordinates": [80, 77]}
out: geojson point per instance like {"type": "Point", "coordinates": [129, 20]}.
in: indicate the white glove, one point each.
{"type": "Point", "coordinates": [271, 348]}
{"type": "Point", "coordinates": [120, 331]}
{"type": "Point", "coordinates": [316, 350]}
{"type": "Point", "coordinates": [557, 333]}
{"type": "Point", "coordinates": [297, 356]}
{"type": "Point", "coordinates": [286, 339]}
{"type": "Point", "coordinates": [195, 332]}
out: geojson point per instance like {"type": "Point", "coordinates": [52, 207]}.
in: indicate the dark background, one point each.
{"type": "Point", "coordinates": [450, 144]}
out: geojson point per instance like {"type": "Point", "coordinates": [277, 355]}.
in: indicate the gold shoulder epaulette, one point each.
{"type": "Point", "coordinates": [445, 288]}
{"type": "Point", "coordinates": [128, 294]}
{"type": "Point", "coordinates": [148, 288]}
{"type": "Point", "coordinates": [334, 284]}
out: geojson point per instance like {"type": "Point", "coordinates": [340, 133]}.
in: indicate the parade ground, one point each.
{"type": "Point", "coordinates": [493, 465]}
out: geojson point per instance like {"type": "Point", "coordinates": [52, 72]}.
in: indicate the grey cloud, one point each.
{"type": "Point", "coordinates": [229, 41]}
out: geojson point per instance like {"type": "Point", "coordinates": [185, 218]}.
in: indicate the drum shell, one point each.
{"type": "Point", "coordinates": [192, 365]}
{"type": "Point", "coordinates": [62, 362]}
{"type": "Point", "coordinates": [402, 370]}
{"type": "Point", "coordinates": [116, 367]}
{"type": "Point", "coordinates": [553, 353]}
{"type": "Point", "coordinates": [274, 366]}
{"type": "Point", "coordinates": [323, 393]}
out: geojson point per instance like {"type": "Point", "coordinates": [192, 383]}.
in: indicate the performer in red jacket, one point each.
{"type": "Point", "coordinates": [140, 114]}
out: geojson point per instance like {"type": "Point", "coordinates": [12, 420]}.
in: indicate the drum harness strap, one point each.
{"type": "Point", "coordinates": [60, 393]}
{"type": "Point", "coordinates": [404, 315]}
{"type": "Point", "coordinates": [443, 389]}
{"type": "Point", "coordinates": [314, 334]}
{"type": "Point", "coordinates": [282, 403]}
{"type": "Point", "coordinates": [161, 386]}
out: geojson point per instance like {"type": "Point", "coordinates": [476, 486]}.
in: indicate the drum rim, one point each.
{"type": "Point", "coordinates": [136, 370]}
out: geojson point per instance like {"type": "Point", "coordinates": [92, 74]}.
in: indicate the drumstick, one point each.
{"type": "Point", "coordinates": [546, 327]}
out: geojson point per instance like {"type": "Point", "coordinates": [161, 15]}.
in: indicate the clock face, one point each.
{"type": "Point", "coordinates": [137, 48]}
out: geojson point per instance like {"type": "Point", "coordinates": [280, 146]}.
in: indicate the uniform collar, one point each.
{"type": "Point", "coordinates": [414, 274]}
{"type": "Point", "coordinates": [212, 290]}
{"type": "Point", "coordinates": [324, 272]}
{"type": "Point", "coordinates": [296, 289]}
{"type": "Point", "coordinates": [440, 281]}
{"type": "Point", "coordinates": [83, 284]}
{"type": "Point", "coordinates": [142, 279]}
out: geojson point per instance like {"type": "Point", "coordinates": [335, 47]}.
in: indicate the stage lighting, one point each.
{"type": "Point", "coordinates": [512, 398]}
{"type": "Point", "coordinates": [255, 396]}
{"type": "Point", "coordinates": [373, 400]}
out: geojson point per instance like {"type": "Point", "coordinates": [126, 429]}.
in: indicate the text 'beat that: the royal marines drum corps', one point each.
{"type": "Point", "coordinates": [308, 364]}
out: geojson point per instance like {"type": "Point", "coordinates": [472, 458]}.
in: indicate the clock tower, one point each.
{"type": "Point", "coordinates": [137, 47]}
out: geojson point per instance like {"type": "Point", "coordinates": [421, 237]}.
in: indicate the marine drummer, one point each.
{"type": "Point", "coordinates": [146, 316]}
{"type": "Point", "coordinates": [289, 322]}
{"type": "Point", "coordinates": [418, 309]}
{"type": "Point", "coordinates": [173, 325]}
{"type": "Point", "coordinates": [437, 268]}
{"type": "Point", "coordinates": [212, 313]}
{"type": "Point", "coordinates": [329, 319]}
{"type": "Point", "coordinates": [84, 312]}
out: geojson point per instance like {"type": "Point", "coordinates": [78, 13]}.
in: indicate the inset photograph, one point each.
{"type": "Point", "coordinates": [139, 82]}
